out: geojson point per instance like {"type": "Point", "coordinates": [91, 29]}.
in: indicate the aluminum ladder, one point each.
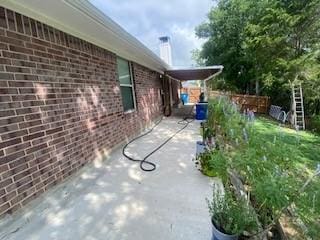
{"type": "Point", "coordinates": [297, 107]}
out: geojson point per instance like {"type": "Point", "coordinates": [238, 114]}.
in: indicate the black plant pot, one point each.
{"type": "Point", "coordinates": [218, 235]}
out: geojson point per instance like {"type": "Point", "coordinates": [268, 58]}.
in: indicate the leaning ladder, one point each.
{"type": "Point", "coordinates": [297, 107]}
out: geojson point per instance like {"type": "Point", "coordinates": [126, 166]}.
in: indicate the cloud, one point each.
{"type": "Point", "coordinates": [183, 43]}
{"type": "Point", "coordinates": [148, 20]}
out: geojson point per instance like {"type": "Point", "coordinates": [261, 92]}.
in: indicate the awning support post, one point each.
{"type": "Point", "coordinates": [205, 83]}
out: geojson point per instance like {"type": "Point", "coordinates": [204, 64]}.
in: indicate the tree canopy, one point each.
{"type": "Point", "coordinates": [264, 45]}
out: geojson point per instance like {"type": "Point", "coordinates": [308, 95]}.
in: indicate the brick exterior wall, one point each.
{"type": "Point", "coordinates": [60, 106]}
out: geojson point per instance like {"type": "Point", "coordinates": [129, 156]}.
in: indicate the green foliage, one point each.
{"type": "Point", "coordinates": [275, 163]}
{"type": "Point", "coordinates": [208, 132]}
{"type": "Point", "coordinates": [213, 164]}
{"type": "Point", "coordinates": [315, 124]}
{"type": "Point", "coordinates": [227, 122]}
{"type": "Point", "coordinates": [223, 31]}
{"type": "Point", "coordinates": [229, 215]}
{"type": "Point", "coordinates": [269, 43]}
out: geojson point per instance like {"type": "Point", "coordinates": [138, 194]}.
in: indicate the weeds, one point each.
{"type": "Point", "coordinates": [270, 161]}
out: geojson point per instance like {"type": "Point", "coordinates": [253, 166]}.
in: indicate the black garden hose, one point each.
{"type": "Point", "coordinates": [185, 122]}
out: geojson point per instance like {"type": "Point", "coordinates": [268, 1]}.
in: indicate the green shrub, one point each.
{"type": "Point", "coordinates": [271, 162]}
{"type": "Point", "coordinates": [230, 215]}
{"type": "Point", "coordinates": [315, 124]}
{"type": "Point", "coordinates": [213, 164]}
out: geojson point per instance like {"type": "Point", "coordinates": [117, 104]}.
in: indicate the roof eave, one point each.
{"type": "Point", "coordinates": [82, 19]}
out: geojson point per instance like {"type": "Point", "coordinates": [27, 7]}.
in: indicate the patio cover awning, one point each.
{"type": "Point", "coordinates": [195, 73]}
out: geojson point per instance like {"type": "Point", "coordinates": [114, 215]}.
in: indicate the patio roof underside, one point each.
{"type": "Point", "coordinates": [194, 73]}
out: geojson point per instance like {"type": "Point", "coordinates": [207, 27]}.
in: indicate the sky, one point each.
{"type": "Point", "coordinates": [147, 20]}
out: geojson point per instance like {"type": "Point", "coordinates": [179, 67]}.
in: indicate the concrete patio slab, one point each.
{"type": "Point", "coordinates": [114, 199]}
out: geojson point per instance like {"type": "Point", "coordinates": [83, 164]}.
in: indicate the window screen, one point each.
{"type": "Point", "coordinates": [126, 84]}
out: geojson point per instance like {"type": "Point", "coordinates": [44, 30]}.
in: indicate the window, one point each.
{"type": "Point", "coordinates": [126, 84]}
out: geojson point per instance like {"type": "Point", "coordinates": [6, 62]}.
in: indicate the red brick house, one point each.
{"type": "Point", "coordinates": [73, 85]}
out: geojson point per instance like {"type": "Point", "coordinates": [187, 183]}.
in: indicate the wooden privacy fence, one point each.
{"type": "Point", "coordinates": [193, 92]}
{"type": "Point", "coordinates": [258, 104]}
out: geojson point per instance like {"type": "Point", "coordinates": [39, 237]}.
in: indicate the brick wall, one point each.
{"type": "Point", "coordinates": [60, 106]}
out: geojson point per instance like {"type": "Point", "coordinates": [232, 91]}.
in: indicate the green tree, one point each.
{"type": "Point", "coordinates": [224, 32]}
{"type": "Point", "coordinates": [264, 45]}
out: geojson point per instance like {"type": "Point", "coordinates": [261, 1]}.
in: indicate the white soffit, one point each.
{"type": "Point", "coordinates": [81, 19]}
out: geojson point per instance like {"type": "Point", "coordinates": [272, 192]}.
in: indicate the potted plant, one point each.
{"type": "Point", "coordinates": [207, 139]}
{"type": "Point", "coordinates": [208, 136]}
{"type": "Point", "coordinates": [213, 163]}
{"type": "Point", "coordinates": [230, 217]}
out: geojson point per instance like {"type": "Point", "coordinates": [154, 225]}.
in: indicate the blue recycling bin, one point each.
{"type": "Point", "coordinates": [201, 111]}
{"type": "Point", "coordinates": [184, 98]}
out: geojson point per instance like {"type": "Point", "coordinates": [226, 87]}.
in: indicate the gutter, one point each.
{"type": "Point", "coordinates": [99, 29]}
{"type": "Point", "coordinates": [101, 18]}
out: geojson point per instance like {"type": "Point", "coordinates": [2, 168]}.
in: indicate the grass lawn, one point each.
{"type": "Point", "coordinates": [303, 152]}
{"type": "Point", "coordinates": [307, 151]}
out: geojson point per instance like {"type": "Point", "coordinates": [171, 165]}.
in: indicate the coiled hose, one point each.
{"type": "Point", "coordinates": [144, 162]}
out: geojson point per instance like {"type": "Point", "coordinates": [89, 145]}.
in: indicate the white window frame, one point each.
{"type": "Point", "coordinates": [128, 85]}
